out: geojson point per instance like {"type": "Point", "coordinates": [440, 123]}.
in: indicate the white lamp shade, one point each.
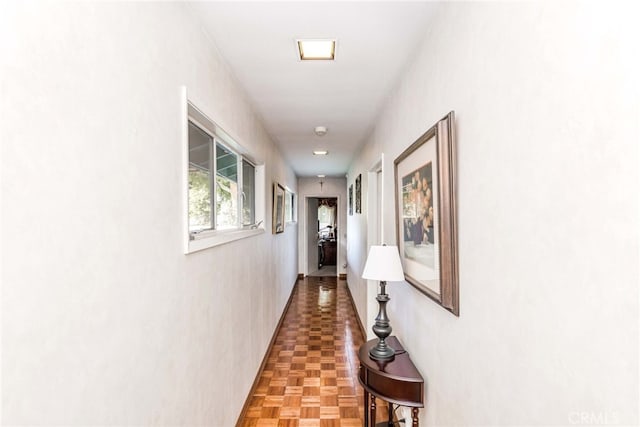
{"type": "Point", "coordinates": [383, 263]}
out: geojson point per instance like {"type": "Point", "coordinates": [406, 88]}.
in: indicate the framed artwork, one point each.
{"type": "Point", "coordinates": [278, 209]}
{"type": "Point", "coordinates": [358, 194]}
{"type": "Point", "coordinates": [351, 199]}
{"type": "Point", "coordinates": [425, 193]}
{"type": "Point", "coordinates": [289, 206]}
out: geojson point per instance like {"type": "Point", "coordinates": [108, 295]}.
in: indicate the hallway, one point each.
{"type": "Point", "coordinates": [161, 163]}
{"type": "Point", "coordinates": [310, 377]}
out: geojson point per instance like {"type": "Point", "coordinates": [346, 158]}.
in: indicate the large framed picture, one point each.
{"type": "Point", "coordinates": [278, 209]}
{"type": "Point", "coordinates": [351, 199]}
{"type": "Point", "coordinates": [425, 191]}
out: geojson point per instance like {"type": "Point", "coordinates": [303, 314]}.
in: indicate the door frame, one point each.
{"type": "Point", "coordinates": [375, 198]}
{"type": "Point", "coordinates": [375, 234]}
{"type": "Point", "coordinates": [305, 219]}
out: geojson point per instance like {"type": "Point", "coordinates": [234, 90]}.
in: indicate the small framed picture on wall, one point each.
{"type": "Point", "coordinates": [278, 208]}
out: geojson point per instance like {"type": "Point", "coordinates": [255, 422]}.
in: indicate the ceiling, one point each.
{"type": "Point", "coordinates": [374, 44]}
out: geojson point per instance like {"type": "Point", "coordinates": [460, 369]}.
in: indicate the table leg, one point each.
{"type": "Point", "coordinates": [366, 408]}
{"type": "Point", "coordinates": [414, 416]}
{"type": "Point", "coordinates": [372, 416]}
{"type": "Point", "coordinates": [390, 420]}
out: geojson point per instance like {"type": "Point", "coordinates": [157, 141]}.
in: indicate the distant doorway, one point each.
{"type": "Point", "coordinates": [322, 236]}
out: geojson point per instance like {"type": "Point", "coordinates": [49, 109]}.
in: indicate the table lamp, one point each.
{"type": "Point", "coordinates": [383, 264]}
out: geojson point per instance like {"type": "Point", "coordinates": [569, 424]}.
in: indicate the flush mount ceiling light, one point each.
{"type": "Point", "coordinates": [317, 50]}
{"type": "Point", "coordinates": [320, 176]}
{"type": "Point", "coordinates": [320, 130]}
{"type": "Point", "coordinates": [320, 153]}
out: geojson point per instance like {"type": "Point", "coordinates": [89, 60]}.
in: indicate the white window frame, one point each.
{"type": "Point", "coordinates": [210, 238]}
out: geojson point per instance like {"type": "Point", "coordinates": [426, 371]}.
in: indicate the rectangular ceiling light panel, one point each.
{"type": "Point", "coordinates": [323, 50]}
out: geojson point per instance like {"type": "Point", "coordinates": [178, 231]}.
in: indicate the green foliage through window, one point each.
{"type": "Point", "coordinates": [234, 206]}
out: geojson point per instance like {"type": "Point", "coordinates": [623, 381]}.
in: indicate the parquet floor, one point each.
{"type": "Point", "coordinates": [310, 377]}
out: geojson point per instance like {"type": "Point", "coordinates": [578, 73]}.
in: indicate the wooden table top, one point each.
{"type": "Point", "coordinates": [397, 381]}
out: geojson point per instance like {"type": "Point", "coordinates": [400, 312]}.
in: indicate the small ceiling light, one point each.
{"type": "Point", "coordinates": [320, 130]}
{"type": "Point", "coordinates": [320, 153]}
{"type": "Point", "coordinates": [323, 50]}
{"type": "Point", "coordinates": [320, 176]}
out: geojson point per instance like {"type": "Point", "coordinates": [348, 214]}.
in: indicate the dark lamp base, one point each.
{"type": "Point", "coordinates": [382, 352]}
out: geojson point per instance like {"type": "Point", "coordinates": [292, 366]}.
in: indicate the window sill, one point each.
{"type": "Point", "coordinates": [220, 238]}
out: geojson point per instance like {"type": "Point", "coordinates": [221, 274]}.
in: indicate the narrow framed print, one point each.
{"type": "Point", "coordinates": [278, 208]}
{"type": "Point", "coordinates": [351, 199]}
{"type": "Point", "coordinates": [359, 194]}
{"type": "Point", "coordinates": [425, 193]}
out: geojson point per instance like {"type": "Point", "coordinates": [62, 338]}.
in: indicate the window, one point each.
{"type": "Point", "coordinates": [231, 204]}
{"type": "Point", "coordinates": [222, 188]}
{"type": "Point", "coordinates": [248, 193]}
{"type": "Point", "coordinates": [326, 217]}
{"type": "Point", "coordinates": [200, 183]}
{"type": "Point", "coordinates": [226, 188]}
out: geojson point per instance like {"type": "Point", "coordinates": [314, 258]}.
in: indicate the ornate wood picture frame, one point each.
{"type": "Point", "coordinates": [425, 193]}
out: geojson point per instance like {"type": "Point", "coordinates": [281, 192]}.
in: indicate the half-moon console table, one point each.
{"type": "Point", "coordinates": [397, 381]}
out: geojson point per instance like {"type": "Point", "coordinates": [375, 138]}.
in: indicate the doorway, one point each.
{"type": "Point", "coordinates": [322, 236]}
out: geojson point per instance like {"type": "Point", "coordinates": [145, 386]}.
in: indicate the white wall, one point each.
{"type": "Point", "coordinates": [104, 320]}
{"type": "Point", "coordinates": [360, 229]}
{"type": "Point", "coordinates": [547, 105]}
{"type": "Point", "coordinates": [331, 187]}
